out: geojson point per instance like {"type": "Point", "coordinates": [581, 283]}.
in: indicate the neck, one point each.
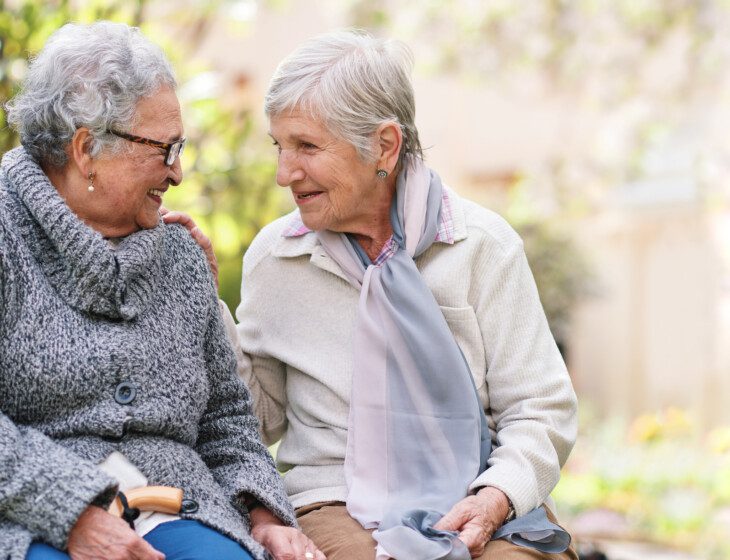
{"type": "Point", "coordinates": [377, 229]}
{"type": "Point", "coordinates": [372, 245]}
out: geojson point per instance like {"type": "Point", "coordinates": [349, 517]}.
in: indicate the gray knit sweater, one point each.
{"type": "Point", "coordinates": [77, 319]}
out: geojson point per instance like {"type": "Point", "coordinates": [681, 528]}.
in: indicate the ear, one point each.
{"type": "Point", "coordinates": [390, 139]}
{"type": "Point", "coordinates": [79, 151]}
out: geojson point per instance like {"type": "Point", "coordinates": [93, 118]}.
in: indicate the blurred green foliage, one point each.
{"type": "Point", "coordinates": [562, 272]}
{"type": "Point", "coordinates": [229, 186]}
{"type": "Point", "coordinates": [669, 481]}
{"type": "Point", "coordinates": [24, 27]}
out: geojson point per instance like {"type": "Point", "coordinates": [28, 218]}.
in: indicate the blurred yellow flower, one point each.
{"type": "Point", "coordinates": [645, 428]}
{"type": "Point", "coordinates": [677, 422]}
{"type": "Point", "coordinates": [628, 502]}
{"type": "Point", "coordinates": [671, 423]}
{"type": "Point", "coordinates": [718, 440]}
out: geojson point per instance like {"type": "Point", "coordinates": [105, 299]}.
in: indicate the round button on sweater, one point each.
{"type": "Point", "coordinates": [125, 393]}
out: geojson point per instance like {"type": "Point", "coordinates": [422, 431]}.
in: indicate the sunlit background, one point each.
{"type": "Point", "coordinates": [599, 128]}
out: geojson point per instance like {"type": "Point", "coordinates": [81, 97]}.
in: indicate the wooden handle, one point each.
{"type": "Point", "coordinates": [164, 499]}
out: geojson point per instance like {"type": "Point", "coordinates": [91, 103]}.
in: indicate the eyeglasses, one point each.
{"type": "Point", "coordinates": [172, 151]}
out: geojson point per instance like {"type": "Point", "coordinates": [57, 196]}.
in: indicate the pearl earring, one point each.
{"type": "Point", "coordinates": [382, 173]}
{"type": "Point", "coordinates": [90, 188]}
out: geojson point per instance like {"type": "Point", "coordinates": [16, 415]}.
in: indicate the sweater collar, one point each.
{"type": "Point", "coordinates": [88, 274]}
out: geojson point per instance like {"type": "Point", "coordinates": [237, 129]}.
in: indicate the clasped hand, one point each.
{"type": "Point", "coordinates": [476, 518]}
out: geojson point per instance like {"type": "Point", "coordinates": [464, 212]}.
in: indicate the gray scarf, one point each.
{"type": "Point", "coordinates": [417, 435]}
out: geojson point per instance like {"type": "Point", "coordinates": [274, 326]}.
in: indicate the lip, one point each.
{"type": "Point", "coordinates": [156, 198]}
{"type": "Point", "coordinates": [314, 195]}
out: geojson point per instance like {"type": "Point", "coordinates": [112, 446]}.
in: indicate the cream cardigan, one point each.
{"type": "Point", "coordinates": [295, 330]}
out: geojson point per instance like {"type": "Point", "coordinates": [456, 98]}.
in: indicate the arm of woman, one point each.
{"type": "Point", "coordinates": [264, 377]}
{"type": "Point", "coordinates": [45, 487]}
{"type": "Point", "coordinates": [531, 397]}
{"type": "Point", "coordinates": [531, 400]}
{"type": "Point", "coordinates": [228, 437]}
{"type": "Point", "coordinates": [229, 443]}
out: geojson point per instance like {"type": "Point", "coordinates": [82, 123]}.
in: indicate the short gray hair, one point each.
{"type": "Point", "coordinates": [85, 75]}
{"type": "Point", "coordinates": [354, 82]}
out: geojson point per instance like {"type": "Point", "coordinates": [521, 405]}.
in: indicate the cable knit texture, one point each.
{"type": "Point", "coordinates": [78, 318]}
{"type": "Point", "coordinates": [296, 322]}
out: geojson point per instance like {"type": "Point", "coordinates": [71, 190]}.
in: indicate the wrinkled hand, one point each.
{"type": "Point", "coordinates": [98, 535]}
{"type": "Point", "coordinates": [476, 518]}
{"type": "Point", "coordinates": [284, 543]}
{"type": "Point", "coordinates": [172, 216]}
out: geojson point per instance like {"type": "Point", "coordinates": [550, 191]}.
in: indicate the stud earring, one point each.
{"type": "Point", "coordinates": [90, 188]}
{"type": "Point", "coordinates": [382, 173]}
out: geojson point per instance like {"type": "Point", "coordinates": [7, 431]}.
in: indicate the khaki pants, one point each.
{"type": "Point", "coordinates": [340, 537]}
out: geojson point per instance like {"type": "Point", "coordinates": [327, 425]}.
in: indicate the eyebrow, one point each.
{"type": "Point", "coordinates": [303, 137]}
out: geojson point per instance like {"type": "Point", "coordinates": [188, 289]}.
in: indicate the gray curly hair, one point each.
{"type": "Point", "coordinates": [355, 83]}
{"type": "Point", "coordinates": [86, 75]}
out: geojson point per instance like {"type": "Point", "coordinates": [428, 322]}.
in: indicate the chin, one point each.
{"type": "Point", "coordinates": [315, 223]}
{"type": "Point", "coordinates": [318, 221]}
{"type": "Point", "coordinates": [149, 222]}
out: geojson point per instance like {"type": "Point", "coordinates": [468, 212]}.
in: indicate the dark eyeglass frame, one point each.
{"type": "Point", "coordinates": [172, 150]}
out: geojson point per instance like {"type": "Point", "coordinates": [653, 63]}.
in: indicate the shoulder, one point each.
{"type": "Point", "coordinates": [268, 241]}
{"type": "Point", "coordinates": [486, 228]}
{"type": "Point", "coordinates": [183, 254]}
{"type": "Point", "coordinates": [179, 240]}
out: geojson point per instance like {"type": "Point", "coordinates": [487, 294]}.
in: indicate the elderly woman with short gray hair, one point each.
{"type": "Point", "coordinates": [115, 371]}
{"type": "Point", "coordinates": [391, 332]}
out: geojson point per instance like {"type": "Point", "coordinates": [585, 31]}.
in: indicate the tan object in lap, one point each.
{"type": "Point", "coordinates": [164, 499]}
{"type": "Point", "coordinates": [133, 483]}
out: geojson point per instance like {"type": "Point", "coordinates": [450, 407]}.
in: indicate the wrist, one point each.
{"type": "Point", "coordinates": [511, 513]}
{"type": "Point", "coordinates": [261, 517]}
{"type": "Point", "coordinates": [502, 506]}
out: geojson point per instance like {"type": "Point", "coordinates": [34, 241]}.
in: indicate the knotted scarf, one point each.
{"type": "Point", "coordinates": [417, 434]}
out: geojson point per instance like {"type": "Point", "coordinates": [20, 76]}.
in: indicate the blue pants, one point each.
{"type": "Point", "coordinates": [177, 540]}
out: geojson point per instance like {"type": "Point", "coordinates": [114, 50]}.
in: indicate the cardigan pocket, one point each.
{"type": "Point", "coordinates": [464, 326]}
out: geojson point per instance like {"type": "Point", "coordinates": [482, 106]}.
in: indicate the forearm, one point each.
{"type": "Point", "coordinates": [229, 439]}
{"type": "Point", "coordinates": [269, 408]}
{"type": "Point", "coordinates": [261, 515]}
{"type": "Point", "coordinates": [45, 487]}
{"type": "Point", "coordinates": [531, 398]}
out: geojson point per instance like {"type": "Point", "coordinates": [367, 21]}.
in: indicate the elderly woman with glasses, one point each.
{"type": "Point", "coordinates": [115, 370]}
{"type": "Point", "coordinates": [391, 332]}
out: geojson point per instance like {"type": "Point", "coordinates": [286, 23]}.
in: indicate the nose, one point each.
{"type": "Point", "coordinates": [175, 173]}
{"type": "Point", "coordinates": [289, 169]}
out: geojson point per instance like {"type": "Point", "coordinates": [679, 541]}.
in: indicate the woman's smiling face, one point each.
{"type": "Point", "coordinates": [128, 186]}
{"type": "Point", "coordinates": [135, 180]}
{"type": "Point", "coordinates": [334, 188]}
